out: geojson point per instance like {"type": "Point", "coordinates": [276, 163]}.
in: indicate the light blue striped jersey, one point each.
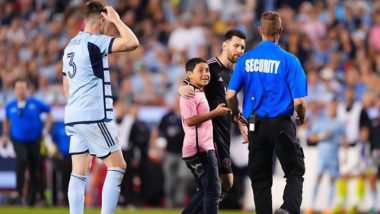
{"type": "Point", "coordinates": [85, 64]}
{"type": "Point", "coordinates": [328, 148]}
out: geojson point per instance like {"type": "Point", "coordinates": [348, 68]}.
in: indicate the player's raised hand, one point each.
{"type": "Point", "coordinates": [221, 110]}
{"type": "Point", "coordinates": [111, 15]}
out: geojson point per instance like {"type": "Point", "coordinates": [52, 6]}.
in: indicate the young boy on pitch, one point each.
{"type": "Point", "coordinates": [198, 147]}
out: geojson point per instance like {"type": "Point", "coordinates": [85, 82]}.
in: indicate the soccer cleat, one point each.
{"type": "Point", "coordinates": [280, 211]}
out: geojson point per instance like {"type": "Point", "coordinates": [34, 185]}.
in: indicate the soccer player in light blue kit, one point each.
{"type": "Point", "coordinates": [88, 113]}
{"type": "Point", "coordinates": [328, 132]}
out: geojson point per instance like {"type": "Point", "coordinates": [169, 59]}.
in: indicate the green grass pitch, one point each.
{"type": "Point", "coordinates": [38, 210]}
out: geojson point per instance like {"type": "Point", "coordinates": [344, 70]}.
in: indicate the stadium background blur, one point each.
{"type": "Point", "coordinates": [337, 42]}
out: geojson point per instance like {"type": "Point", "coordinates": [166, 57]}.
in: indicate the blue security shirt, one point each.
{"type": "Point", "coordinates": [272, 78]}
{"type": "Point", "coordinates": [60, 138]}
{"type": "Point", "coordinates": [25, 122]}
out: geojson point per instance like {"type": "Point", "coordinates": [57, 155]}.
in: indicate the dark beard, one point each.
{"type": "Point", "coordinates": [232, 59]}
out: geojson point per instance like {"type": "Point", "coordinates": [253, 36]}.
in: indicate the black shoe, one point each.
{"type": "Point", "coordinates": [280, 211]}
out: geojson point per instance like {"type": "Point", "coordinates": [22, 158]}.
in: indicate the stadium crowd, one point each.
{"type": "Point", "coordinates": [337, 42]}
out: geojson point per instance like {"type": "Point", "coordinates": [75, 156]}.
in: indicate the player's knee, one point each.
{"type": "Point", "coordinates": [115, 159]}
{"type": "Point", "coordinates": [81, 169]}
{"type": "Point", "coordinates": [88, 167]}
{"type": "Point", "coordinates": [81, 172]}
{"type": "Point", "coordinates": [123, 165]}
{"type": "Point", "coordinates": [120, 164]}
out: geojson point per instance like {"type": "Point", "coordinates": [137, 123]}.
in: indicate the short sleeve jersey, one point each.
{"type": "Point", "coordinates": [85, 63]}
{"type": "Point", "coordinates": [220, 76]}
{"type": "Point", "coordinates": [25, 121]}
{"type": "Point", "coordinates": [201, 133]}
{"type": "Point", "coordinates": [328, 148]}
{"type": "Point", "coordinates": [216, 94]}
{"type": "Point", "coordinates": [272, 78]}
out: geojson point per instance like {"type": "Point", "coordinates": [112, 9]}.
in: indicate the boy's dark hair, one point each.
{"type": "Point", "coordinates": [93, 8]}
{"type": "Point", "coordinates": [191, 63]}
{"type": "Point", "coordinates": [231, 33]}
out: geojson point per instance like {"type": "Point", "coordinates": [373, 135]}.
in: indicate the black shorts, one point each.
{"type": "Point", "coordinates": [222, 141]}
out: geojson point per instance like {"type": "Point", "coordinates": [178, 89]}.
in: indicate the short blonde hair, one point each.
{"type": "Point", "coordinates": [270, 23]}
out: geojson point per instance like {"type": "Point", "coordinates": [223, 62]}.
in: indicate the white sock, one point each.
{"type": "Point", "coordinates": [373, 199]}
{"type": "Point", "coordinates": [315, 193]}
{"type": "Point", "coordinates": [75, 193]}
{"type": "Point", "coordinates": [111, 189]}
{"type": "Point", "coordinates": [331, 194]}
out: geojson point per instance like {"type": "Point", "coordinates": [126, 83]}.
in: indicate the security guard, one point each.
{"type": "Point", "coordinates": [274, 86]}
{"type": "Point", "coordinates": [23, 126]}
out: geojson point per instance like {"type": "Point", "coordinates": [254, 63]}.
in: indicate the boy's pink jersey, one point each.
{"type": "Point", "coordinates": [190, 108]}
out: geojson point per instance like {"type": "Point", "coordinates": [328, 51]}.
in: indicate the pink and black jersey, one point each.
{"type": "Point", "coordinates": [202, 133]}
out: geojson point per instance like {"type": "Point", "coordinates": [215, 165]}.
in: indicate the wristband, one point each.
{"type": "Point", "coordinates": [238, 117]}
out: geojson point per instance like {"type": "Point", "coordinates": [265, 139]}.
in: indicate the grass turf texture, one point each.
{"type": "Point", "coordinates": [38, 210]}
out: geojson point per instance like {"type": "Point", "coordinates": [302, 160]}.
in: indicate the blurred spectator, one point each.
{"type": "Point", "coordinates": [310, 24]}
{"type": "Point", "coordinates": [330, 84]}
{"type": "Point", "coordinates": [23, 126]}
{"type": "Point", "coordinates": [317, 90]}
{"type": "Point", "coordinates": [189, 35]}
{"type": "Point", "coordinates": [374, 32]}
{"type": "Point", "coordinates": [349, 112]}
{"type": "Point", "coordinates": [124, 121]}
{"type": "Point", "coordinates": [374, 135]}
{"type": "Point", "coordinates": [167, 140]}
{"type": "Point", "coordinates": [367, 166]}
{"type": "Point", "coordinates": [134, 140]}
{"type": "Point", "coordinates": [239, 157]}
{"type": "Point", "coordinates": [62, 164]}
{"type": "Point", "coordinates": [328, 132]}
{"type": "Point", "coordinates": [353, 81]}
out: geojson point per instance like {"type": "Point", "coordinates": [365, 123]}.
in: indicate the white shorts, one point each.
{"type": "Point", "coordinates": [349, 160]}
{"type": "Point", "coordinates": [98, 139]}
